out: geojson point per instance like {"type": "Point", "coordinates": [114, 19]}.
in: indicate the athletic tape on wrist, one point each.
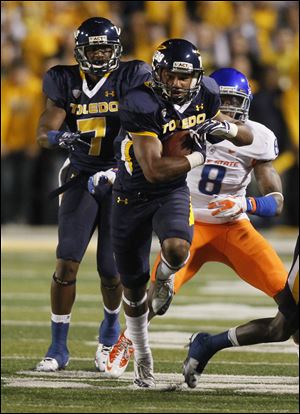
{"type": "Point", "coordinates": [233, 130]}
{"type": "Point", "coordinates": [195, 159]}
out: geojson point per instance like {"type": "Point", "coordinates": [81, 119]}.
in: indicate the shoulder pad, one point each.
{"type": "Point", "coordinates": [140, 100]}
{"type": "Point", "coordinates": [210, 84]}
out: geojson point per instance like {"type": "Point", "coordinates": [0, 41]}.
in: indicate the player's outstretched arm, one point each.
{"type": "Point", "coordinates": [239, 134]}
{"type": "Point", "coordinates": [269, 183]}
{"type": "Point", "coordinates": [50, 120]}
{"type": "Point", "coordinates": [269, 205]}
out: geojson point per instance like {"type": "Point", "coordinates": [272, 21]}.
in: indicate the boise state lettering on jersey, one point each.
{"type": "Point", "coordinates": [144, 113]}
{"type": "Point", "coordinates": [93, 110]}
{"type": "Point", "coordinates": [227, 170]}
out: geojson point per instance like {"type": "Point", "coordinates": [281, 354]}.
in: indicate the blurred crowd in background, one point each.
{"type": "Point", "coordinates": [259, 38]}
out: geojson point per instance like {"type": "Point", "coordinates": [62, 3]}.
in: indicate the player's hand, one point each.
{"type": "Point", "coordinates": [101, 178]}
{"type": "Point", "coordinates": [219, 129]}
{"type": "Point", "coordinates": [66, 139]}
{"type": "Point", "coordinates": [199, 143]}
{"type": "Point", "coordinates": [227, 206]}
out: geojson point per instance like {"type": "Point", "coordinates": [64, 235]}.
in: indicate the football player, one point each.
{"type": "Point", "coordinates": [82, 115]}
{"type": "Point", "coordinates": [150, 191]}
{"type": "Point", "coordinates": [279, 328]}
{"type": "Point", "coordinates": [223, 232]}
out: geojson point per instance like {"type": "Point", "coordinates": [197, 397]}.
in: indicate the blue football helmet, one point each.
{"type": "Point", "coordinates": [235, 92]}
{"type": "Point", "coordinates": [97, 32]}
{"type": "Point", "coordinates": [178, 56]}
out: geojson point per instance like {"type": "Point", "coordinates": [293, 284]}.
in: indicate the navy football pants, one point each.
{"type": "Point", "coordinates": [133, 222]}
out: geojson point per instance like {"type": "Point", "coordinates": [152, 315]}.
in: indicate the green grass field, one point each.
{"type": "Point", "coordinates": [257, 379]}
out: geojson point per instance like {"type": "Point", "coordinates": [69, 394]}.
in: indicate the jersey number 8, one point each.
{"type": "Point", "coordinates": [211, 179]}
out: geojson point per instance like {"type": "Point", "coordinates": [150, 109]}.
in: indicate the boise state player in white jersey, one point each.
{"type": "Point", "coordinates": [150, 191]}
{"type": "Point", "coordinates": [82, 115]}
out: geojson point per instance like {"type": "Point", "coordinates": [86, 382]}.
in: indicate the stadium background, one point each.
{"type": "Point", "coordinates": [259, 38]}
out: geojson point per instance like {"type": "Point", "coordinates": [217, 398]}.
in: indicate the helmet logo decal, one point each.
{"type": "Point", "coordinates": [182, 65]}
{"type": "Point", "coordinates": [276, 148]}
{"type": "Point", "coordinates": [158, 56]}
{"type": "Point", "coordinates": [95, 39]}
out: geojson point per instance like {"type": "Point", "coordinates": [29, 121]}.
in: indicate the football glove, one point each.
{"type": "Point", "coordinates": [228, 206]}
{"type": "Point", "coordinates": [199, 143]}
{"type": "Point", "coordinates": [101, 178]}
{"type": "Point", "coordinates": [223, 129]}
{"type": "Point", "coordinates": [66, 139]}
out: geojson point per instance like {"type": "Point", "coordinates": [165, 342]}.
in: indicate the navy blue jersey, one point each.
{"type": "Point", "coordinates": [144, 113]}
{"type": "Point", "coordinates": [93, 110]}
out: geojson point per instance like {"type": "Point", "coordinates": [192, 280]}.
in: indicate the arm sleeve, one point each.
{"type": "Point", "coordinates": [268, 145]}
{"type": "Point", "coordinates": [54, 87]}
{"type": "Point", "coordinates": [137, 73]}
{"type": "Point", "coordinates": [139, 123]}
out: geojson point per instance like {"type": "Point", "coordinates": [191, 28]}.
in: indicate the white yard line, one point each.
{"type": "Point", "coordinates": [208, 311]}
{"type": "Point", "coordinates": [275, 364]}
{"type": "Point", "coordinates": [167, 382]}
{"type": "Point", "coordinates": [28, 238]}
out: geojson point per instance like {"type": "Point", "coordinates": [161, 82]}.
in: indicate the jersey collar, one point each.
{"type": "Point", "coordinates": [92, 92]}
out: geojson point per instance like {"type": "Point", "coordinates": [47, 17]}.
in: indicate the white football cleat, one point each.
{"type": "Point", "coordinates": [101, 356]}
{"type": "Point", "coordinates": [119, 357]}
{"type": "Point", "coordinates": [143, 371]}
{"type": "Point", "coordinates": [49, 365]}
{"type": "Point", "coordinates": [163, 293]}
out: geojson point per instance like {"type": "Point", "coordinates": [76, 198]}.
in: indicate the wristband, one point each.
{"type": "Point", "coordinates": [262, 206]}
{"type": "Point", "coordinates": [53, 137]}
{"type": "Point", "coordinates": [233, 130]}
{"type": "Point", "coordinates": [195, 159]}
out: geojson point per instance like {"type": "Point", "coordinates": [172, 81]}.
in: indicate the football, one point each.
{"type": "Point", "coordinates": [177, 144]}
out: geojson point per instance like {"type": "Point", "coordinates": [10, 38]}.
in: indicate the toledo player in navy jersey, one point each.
{"type": "Point", "coordinates": [150, 192]}
{"type": "Point", "coordinates": [82, 115]}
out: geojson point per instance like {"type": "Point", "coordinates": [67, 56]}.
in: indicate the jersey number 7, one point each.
{"type": "Point", "coordinates": [96, 125]}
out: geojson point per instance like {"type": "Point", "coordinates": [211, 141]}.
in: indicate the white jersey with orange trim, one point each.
{"type": "Point", "coordinates": [227, 171]}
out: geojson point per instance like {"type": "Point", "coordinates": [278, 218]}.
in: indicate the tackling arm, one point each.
{"type": "Point", "coordinates": [269, 205]}
{"type": "Point", "coordinates": [243, 135]}
{"type": "Point", "coordinates": [148, 152]}
{"type": "Point", "coordinates": [269, 183]}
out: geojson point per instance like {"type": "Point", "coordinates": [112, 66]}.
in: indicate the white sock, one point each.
{"type": "Point", "coordinates": [165, 270]}
{"type": "Point", "coordinates": [137, 331]}
{"type": "Point", "coordinates": [232, 337]}
{"type": "Point", "coordinates": [113, 311]}
{"type": "Point", "coordinates": [61, 318]}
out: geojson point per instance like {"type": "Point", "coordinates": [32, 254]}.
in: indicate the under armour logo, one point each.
{"type": "Point", "coordinates": [110, 93]}
{"type": "Point", "coordinates": [120, 200]}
